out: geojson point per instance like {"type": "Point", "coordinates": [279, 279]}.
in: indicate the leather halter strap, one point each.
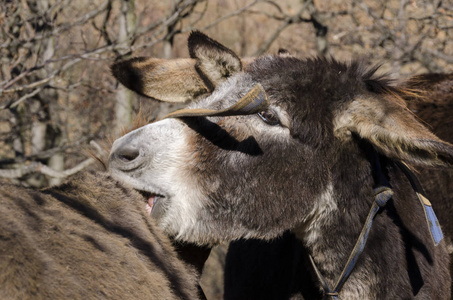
{"type": "Point", "coordinates": [382, 194]}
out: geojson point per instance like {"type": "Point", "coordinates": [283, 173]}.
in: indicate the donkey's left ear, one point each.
{"type": "Point", "coordinates": [386, 123]}
{"type": "Point", "coordinates": [169, 80]}
{"type": "Point", "coordinates": [215, 62]}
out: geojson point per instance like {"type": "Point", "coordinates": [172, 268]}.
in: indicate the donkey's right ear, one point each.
{"type": "Point", "coordinates": [172, 80]}
{"type": "Point", "coordinates": [215, 62]}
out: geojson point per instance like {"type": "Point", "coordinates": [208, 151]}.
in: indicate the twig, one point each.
{"type": "Point", "coordinates": [232, 14]}
{"type": "Point", "coordinates": [37, 167]}
{"type": "Point", "coordinates": [28, 86]}
{"type": "Point", "coordinates": [288, 21]}
{"type": "Point", "coordinates": [62, 27]}
{"type": "Point", "coordinates": [23, 98]}
{"type": "Point", "coordinates": [448, 59]}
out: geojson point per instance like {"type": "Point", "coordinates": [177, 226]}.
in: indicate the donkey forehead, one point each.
{"type": "Point", "coordinates": [322, 77]}
{"type": "Point", "coordinates": [227, 92]}
{"type": "Point", "coordinates": [292, 83]}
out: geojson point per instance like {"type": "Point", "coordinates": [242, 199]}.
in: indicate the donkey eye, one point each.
{"type": "Point", "coordinates": [270, 117]}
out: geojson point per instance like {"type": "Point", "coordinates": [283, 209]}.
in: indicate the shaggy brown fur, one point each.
{"type": "Point", "coordinates": [87, 239]}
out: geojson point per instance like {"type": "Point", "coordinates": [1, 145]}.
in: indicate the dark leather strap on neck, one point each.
{"type": "Point", "coordinates": [382, 195]}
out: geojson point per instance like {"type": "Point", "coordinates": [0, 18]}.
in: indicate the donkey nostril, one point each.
{"type": "Point", "coordinates": [128, 154]}
{"type": "Point", "coordinates": [127, 157]}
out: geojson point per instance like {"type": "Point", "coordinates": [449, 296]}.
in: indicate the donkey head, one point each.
{"type": "Point", "coordinates": [210, 179]}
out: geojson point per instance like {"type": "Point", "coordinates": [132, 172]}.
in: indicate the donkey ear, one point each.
{"type": "Point", "coordinates": [173, 80]}
{"type": "Point", "coordinates": [394, 131]}
{"type": "Point", "coordinates": [215, 62]}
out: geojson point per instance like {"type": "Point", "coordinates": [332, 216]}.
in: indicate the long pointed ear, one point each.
{"type": "Point", "coordinates": [172, 80]}
{"type": "Point", "coordinates": [393, 130]}
{"type": "Point", "coordinates": [215, 62]}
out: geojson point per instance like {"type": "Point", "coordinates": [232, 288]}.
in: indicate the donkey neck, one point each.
{"type": "Point", "coordinates": [332, 228]}
{"type": "Point", "coordinates": [330, 235]}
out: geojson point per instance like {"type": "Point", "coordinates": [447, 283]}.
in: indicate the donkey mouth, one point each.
{"type": "Point", "coordinates": [152, 202]}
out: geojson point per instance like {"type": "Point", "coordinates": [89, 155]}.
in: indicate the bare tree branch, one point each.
{"type": "Point", "coordinates": [61, 28]}
{"type": "Point", "coordinates": [23, 98]}
{"type": "Point", "coordinates": [447, 58]}
{"type": "Point", "coordinates": [227, 16]}
{"type": "Point", "coordinates": [296, 18]}
{"type": "Point", "coordinates": [37, 167]}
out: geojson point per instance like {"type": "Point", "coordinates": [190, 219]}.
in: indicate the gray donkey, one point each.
{"type": "Point", "coordinates": [313, 146]}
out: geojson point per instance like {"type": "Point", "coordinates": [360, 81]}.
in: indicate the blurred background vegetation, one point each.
{"type": "Point", "coordinates": [58, 100]}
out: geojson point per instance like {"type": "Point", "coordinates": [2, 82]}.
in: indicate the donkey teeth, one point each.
{"type": "Point", "coordinates": [150, 200]}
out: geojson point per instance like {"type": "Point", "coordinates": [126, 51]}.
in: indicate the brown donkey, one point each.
{"type": "Point", "coordinates": [90, 238]}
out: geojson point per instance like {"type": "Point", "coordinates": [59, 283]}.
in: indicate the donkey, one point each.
{"type": "Point", "coordinates": [277, 269]}
{"type": "Point", "coordinates": [90, 238]}
{"type": "Point", "coordinates": [235, 166]}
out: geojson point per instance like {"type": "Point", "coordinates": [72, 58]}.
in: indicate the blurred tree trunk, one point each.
{"type": "Point", "coordinates": [124, 97]}
{"type": "Point", "coordinates": [168, 42]}
{"type": "Point", "coordinates": [53, 134]}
